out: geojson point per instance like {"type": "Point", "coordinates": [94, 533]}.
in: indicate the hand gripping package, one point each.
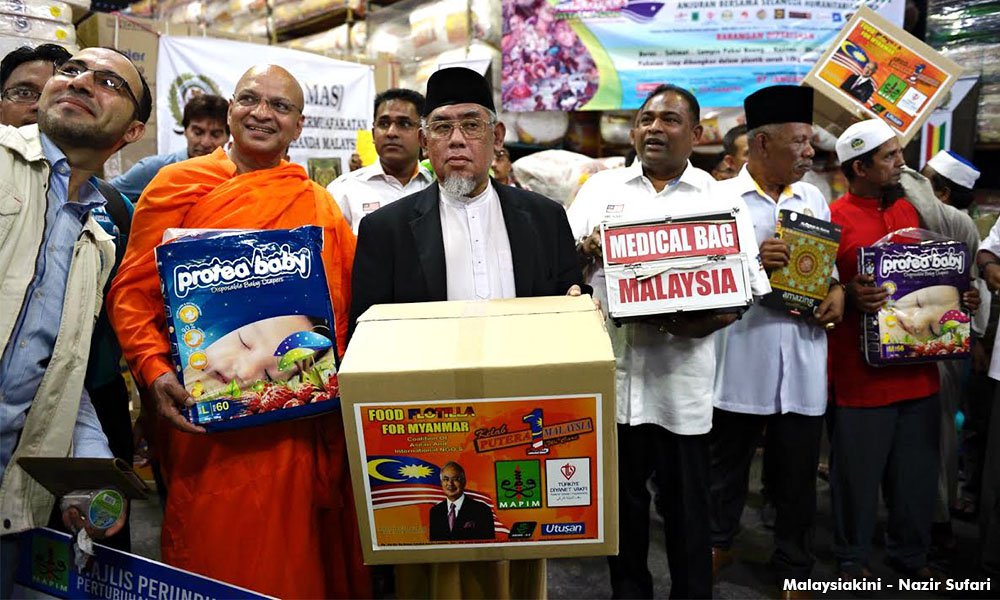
{"type": "Point", "coordinates": [923, 319]}
{"type": "Point", "coordinates": [675, 265]}
{"type": "Point", "coordinates": [250, 323]}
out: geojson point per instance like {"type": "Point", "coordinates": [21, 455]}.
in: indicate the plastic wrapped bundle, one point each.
{"type": "Point", "coordinates": [49, 10]}
{"type": "Point", "coordinates": [10, 43]}
{"type": "Point", "coordinates": [445, 24]}
{"type": "Point", "coordinates": [558, 174]}
{"type": "Point", "coordinates": [981, 59]}
{"type": "Point", "coordinates": [41, 29]}
{"type": "Point", "coordinates": [950, 22]}
{"type": "Point", "coordinates": [288, 15]}
{"type": "Point", "coordinates": [333, 40]}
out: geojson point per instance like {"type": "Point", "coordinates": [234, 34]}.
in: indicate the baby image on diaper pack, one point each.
{"type": "Point", "coordinates": [250, 323]}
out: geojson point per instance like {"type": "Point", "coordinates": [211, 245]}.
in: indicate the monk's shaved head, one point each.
{"type": "Point", "coordinates": [265, 117]}
{"type": "Point", "coordinates": [278, 77]}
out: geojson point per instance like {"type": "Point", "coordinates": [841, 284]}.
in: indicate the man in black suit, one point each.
{"type": "Point", "coordinates": [459, 517]}
{"type": "Point", "coordinates": [861, 87]}
{"type": "Point", "coordinates": [466, 237]}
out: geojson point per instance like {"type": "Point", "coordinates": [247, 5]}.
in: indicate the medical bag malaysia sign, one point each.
{"type": "Point", "coordinates": [609, 54]}
{"type": "Point", "coordinates": [676, 265]}
{"type": "Point", "coordinates": [338, 94]}
{"type": "Point", "coordinates": [874, 69]}
{"type": "Point", "coordinates": [528, 471]}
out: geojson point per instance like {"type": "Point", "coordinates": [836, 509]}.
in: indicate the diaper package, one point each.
{"type": "Point", "coordinates": [250, 323]}
{"type": "Point", "coordinates": [923, 319]}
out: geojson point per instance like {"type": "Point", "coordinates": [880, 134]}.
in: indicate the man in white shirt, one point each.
{"type": "Point", "coordinates": [772, 364]}
{"type": "Point", "coordinates": [988, 260]}
{"type": "Point", "coordinates": [397, 172]}
{"type": "Point", "coordinates": [466, 237]}
{"type": "Point", "coordinates": [665, 365]}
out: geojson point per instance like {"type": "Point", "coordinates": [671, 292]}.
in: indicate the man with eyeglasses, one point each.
{"type": "Point", "coordinates": [245, 505]}
{"type": "Point", "coordinates": [54, 262]}
{"type": "Point", "coordinates": [398, 171]}
{"type": "Point", "coordinates": [23, 74]}
{"type": "Point", "coordinates": [465, 237]}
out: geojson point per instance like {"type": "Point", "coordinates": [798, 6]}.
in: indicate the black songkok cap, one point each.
{"type": "Point", "coordinates": [779, 104]}
{"type": "Point", "coordinates": [457, 85]}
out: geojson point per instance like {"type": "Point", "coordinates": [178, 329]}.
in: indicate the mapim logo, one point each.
{"type": "Point", "coordinates": [261, 265]}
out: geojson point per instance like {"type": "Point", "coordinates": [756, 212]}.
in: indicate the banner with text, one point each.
{"type": "Point", "coordinates": [45, 565]}
{"type": "Point", "coordinates": [483, 472]}
{"type": "Point", "coordinates": [609, 54]}
{"type": "Point", "coordinates": [338, 95]}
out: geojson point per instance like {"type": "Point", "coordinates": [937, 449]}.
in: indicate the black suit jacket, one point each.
{"type": "Point", "coordinates": [863, 92]}
{"type": "Point", "coordinates": [473, 522]}
{"type": "Point", "coordinates": [400, 253]}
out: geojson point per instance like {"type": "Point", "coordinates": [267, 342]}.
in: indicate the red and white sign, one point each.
{"type": "Point", "coordinates": [668, 267]}
{"type": "Point", "coordinates": [633, 244]}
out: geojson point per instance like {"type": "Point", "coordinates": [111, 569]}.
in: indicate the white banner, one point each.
{"type": "Point", "coordinates": [338, 94]}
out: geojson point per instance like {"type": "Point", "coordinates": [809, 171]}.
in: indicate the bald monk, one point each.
{"type": "Point", "coordinates": [267, 508]}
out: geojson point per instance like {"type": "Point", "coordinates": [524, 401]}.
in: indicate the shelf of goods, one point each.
{"type": "Point", "coordinates": [36, 22]}
{"type": "Point", "coordinates": [967, 31]}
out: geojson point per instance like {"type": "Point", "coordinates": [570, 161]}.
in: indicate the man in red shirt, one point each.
{"type": "Point", "coordinates": [886, 420]}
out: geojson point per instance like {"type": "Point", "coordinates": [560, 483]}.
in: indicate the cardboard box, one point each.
{"type": "Point", "coordinates": [137, 38]}
{"type": "Point", "coordinates": [923, 319]}
{"type": "Point", "coordinates": [520, 393]}
{"type": "Point", "coordinates": [910, 81]}
{"type": "Point", "coordinates": [675, 265]}
{"type": "Point", "coordinates": [250, 325]}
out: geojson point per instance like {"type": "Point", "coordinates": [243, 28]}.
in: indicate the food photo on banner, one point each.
{"type": "Point", "coordinates": [338, 95]}
{"type": "Point", "coordinates": [609, 54]}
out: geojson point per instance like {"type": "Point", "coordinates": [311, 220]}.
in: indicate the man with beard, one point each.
{"type": "Point", "coordinates": [886, 420]}
{"type": "Point", "coordinates": [205, 129]}
{"type": "Point", "coordinates": [246, 504]}
{"type": "Point", "coordinates": [54, 262]}
{"type": "Point", "coordinates": [397, 172]}
{"type": "Point", "coordinates": [785, 400]}
{"type": "Point", "coordinates": [464, 238]}
{"type": "Point", "coordinates": [665, 364]}
{"type": "Point", "coordinates": [23, 74]}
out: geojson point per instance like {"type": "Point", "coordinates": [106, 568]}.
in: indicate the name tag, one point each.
{"type": "Point", "coordinates": [368, 207]}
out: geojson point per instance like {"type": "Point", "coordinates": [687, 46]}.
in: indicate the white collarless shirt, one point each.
{"type": "Point", "coordinates": [368, 189]}
{"type": "Point", "coordinates": [457, 504]}
{"type": "Point", "coordinates": [771, 362]}
{"type": "Point", "coordinates": [660, 378]}
{"type": "Point", "coordinates": [992, 244]}
{"type": "Point", "coordinates": [478, 263]}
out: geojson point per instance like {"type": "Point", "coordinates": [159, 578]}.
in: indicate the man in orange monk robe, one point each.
{"type": "Point", "coordinates": [267, 508]}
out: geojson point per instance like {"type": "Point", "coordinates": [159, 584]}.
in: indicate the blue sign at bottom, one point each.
{"type": "Point", "coordinates": [46, 564]}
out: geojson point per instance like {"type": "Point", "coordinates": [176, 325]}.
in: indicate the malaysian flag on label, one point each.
{"type": "Point", "coordinates": [850, 56]}
{"type": "Point", "coordinates": [408, 480]}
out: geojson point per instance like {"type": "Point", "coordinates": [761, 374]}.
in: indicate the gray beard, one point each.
{"type": "Point", "coordinates": [459, 187]}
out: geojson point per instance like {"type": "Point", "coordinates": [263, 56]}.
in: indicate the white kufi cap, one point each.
{"type": "Point", "coordinates": [863, 137]}
{"type": "Point", "coordinates": [953, 167]}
